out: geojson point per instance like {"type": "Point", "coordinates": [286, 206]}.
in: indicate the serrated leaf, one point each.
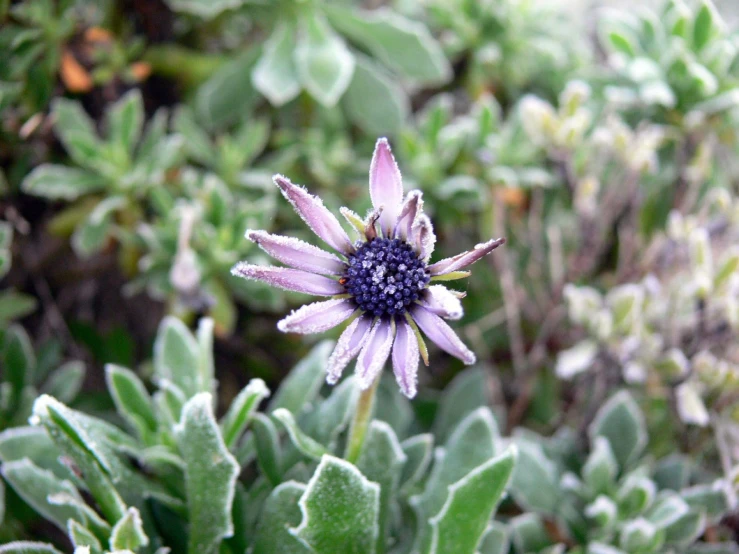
{"type": "Point", "coordinates": [280, 512]}
{"type": "Point", "coordinates": [28, 547]}
{"type": "Point", "coordinates": [275, 75]}
{"type": "Point", "coordinates": [381, 461]}
{"type": "Point", "coordinates": [302, 384]}
{"type": "Point", "coordinates": [468, 391]}
{"type": "Point", "coordinates": [210, 475]}
{"type": "Point", "coordinates": [66, 381]}
{"type": "Point", "coordinates": [128, 533]}
{"type": "Point", "coordinates": [459, 526]}
{"type": "Point", "coordinates": [131, 399]}
{"type": "Point", "coordinates": [59, 182]}
{"type": "Point", "coordinates": [34, 485]}
{"type": "Point", "coordinates": [400, 43]}
{"type": "Point", "coordinates": [176, 355]}
{"type": "Point", "coordinates": [76, 131]}
{"type": "Point", "coordinates": [374, 101]}
{"type": "Point", "coordinates": [622, 423]}
{"type": "Point", "coordinates": [323, 62]}
{"type": "Point", "coordinates": [306, 445]}
{"type": "Point", "coordinates": [241, 411]}
{"type": "Point", "coordinates": [340, 510]}
{"type": "Point", "coordinates": [81, 536]}
{"type": "Point", "coordinates": [125, 121]}
{"type": "Point", "coordinates": [267, 443]}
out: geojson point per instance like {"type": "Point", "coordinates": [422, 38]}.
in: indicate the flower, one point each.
{"type": "Point", "coordinates": [382, 282]}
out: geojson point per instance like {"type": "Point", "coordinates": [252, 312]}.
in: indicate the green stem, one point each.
{"type": "Point", "coordinates": [360, 422]}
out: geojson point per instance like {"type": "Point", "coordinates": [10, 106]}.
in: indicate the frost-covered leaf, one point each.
{"type": "Point", "coordinates": [306, 445]}
{"type": "Point", "coordinates": [711, 499]}
{"type": "Point", "coordinates": [66, 381]}
{"type": "Point", "coordinates": [241, 410]}
{"type": "Point", "coordinates": [81, 536]}
{"type": "Point", "coordinates": [59, 182]}
{"type": "Point", "coordinates": [340, 510]}
{"type": "Point", "coordinates": [35, 444]}
{"type": "Point", "coordinates": [418, 451]}
{"type": "Point", "coordinates": [332, 415]}
{"type": "Point", "coordinates": [132, 400]}
{"type": "Point", "coordinates": [275, 74]}
{"type": "Point", "coordinates": [686, 529]}
{"type": "Point", "coordinates": [639, 535]}
{"type": "Point", "coordinates": [601, 468]}
{"type": "Point", "coordinates": [324, 63]}
{"type": "Point", "coordinates": [622, 423]}
{"type": "Point", "coordinates": [469, 390]}
{"type": "Point", "coordinates": [128, 533]}
{"type": "Point", "coordinates": [210, 475]}
{"type": "Point", "coordinates": [28, 547]}
{"type": "Point", "coordinates": [535, 480]}
{"type": "Point", "coordinates": [575, 360]}
{"type": "Point", "coordinates": [267, 443]}
{"type": "Point", "coordinates": [400, 43]}
{"type": "Point", "coordinates": [34, 485]}
{"type": "Point", "coordinates": [207, 9]}
{"type": "Point", "coordinates": [381, 461]}
{"type": "Point", "coordinates": [176, 355]}
{"type": "Point", "coordinates": [461, 523]}
{"type": "Point", "coordinates": [495, 540]}
{"type": "Point", "coordinates": [280, 512]}
{"type": "Point", "coordinates": [300, 388]}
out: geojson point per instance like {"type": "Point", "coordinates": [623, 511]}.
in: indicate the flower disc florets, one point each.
{"type": "Point", "coordinates": [385, 276]}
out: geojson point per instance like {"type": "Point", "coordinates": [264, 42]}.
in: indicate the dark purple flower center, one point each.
{"type": "Point", "coordinates": [385, 276]}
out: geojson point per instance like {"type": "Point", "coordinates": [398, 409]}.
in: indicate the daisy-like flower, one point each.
{"type": "Point", "coordinates": [382, 282]}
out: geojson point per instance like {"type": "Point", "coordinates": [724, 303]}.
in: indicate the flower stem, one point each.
{"type": "Point", "coordinates": [360, 422]}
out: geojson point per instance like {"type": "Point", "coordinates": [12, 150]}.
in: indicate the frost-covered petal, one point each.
{"type": "Point", "coordinates": [297, 253]}
{"type": "Point", "coordinates": [386, 186]}
{"type": "Point", "coordinates": [412, 207]}
{"type": "Point", "coordinates": [460, 261]}
{"type": "Point", "coordinates": [374, 353]}
{"type": "Point", "coordinates": [289, 279]}
{"type": "Point", "coordinates": [423, 237]}
{"type": "Point", "coordinates": [440, 333]}
{"type": "Point", "coordinates": [317, 317]}
{"type": "Point", "coordinates": [406, 358]}
{"type": "Point", "coordinates": [443, 302]}
{"type": "Point", "coordinates": [321, 221]}
{"type": "Point", "coordinates": [350, 343]}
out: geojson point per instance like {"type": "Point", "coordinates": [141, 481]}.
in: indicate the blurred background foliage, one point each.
{"type": "Point", "coordinates": [137, 141]}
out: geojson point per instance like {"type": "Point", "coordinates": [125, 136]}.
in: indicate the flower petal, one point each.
{"type": "Point", "coordinates": [374, 353]}
{"type": "Point", "coordinates": [321, 221]}
{"type": "Point", "coordinates": [405, 358]}
{"type": "Point", "coordinates": [439, 332]}
{"type": "Point", "coordinates": [412, 207]}
{"type": "Point", "coordinates": [441, 301]}
{"type": "Point", "coordinates": [386, 186]}
{"type": "Point", "coordinates": [423, 237]}
{"type": "Point", "coordinates": [297, 253]}
{"type": "Point", "coordinates": [464, 259]}
{"type": "Point", "coordinates": [317, 317]}
{"type": "Point", "coordinates": [350, 343]}
{"type": "Point", "coordinates": [289, 279]}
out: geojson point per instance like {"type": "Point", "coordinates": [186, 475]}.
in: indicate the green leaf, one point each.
{"type": "Point", "coordinates": [76, 131]}
{"type": "Point", "coordinates": [708, 498]}
{"type": "Point", "coordinates": [418, 450]}
{"type": "Point", "coordinates": [703, 26]}
{"type": "Point", "coordinates": [306, 445]}
{"type": "Point", "coordinates": [196, 141]}
{"type": "Point", "coordinates": [15, 305]}
{"type": "Point", "coordinates": [468, 391]}
{"type": "Point", "coordinates": [206, 364]}
{"type": "Point", "coordinates": [461, 523]}
{"type": "Point", "coordinates": [686, 530]}
{"type": "Point", "coordinates": [59, 182]}
{"type": "Point", "coordinates": [241, 411]}
{"type": "Point", "coordinates": [35, 444]}
{"type": "Point", "coordinates": [210, 475]}
{"type": "Point", "coordinates": [131, 399]}
{"type": "Point", "coordinates": [301, 386]}
{"type": "Point", "coordinates": [400, 43]}
{"type": "Point", "coordinates": [667, 510]}
{"type": "Point", "coordinates": [601, 468]}
{"type": "Point", "coordinates": [622, 423]}
{"type": "Point", "coordinates": [90, 237]}
{"type": "Point", "coordinates": [28, 547]}
{"type": "Point", "coordinates": [275, 75]}
{"type": "Point", "coordinates": [381, 461]}
{"type": "Point", "coordinates": [125, 121]}
{"type": "Point", "coordinates": [66, 382]}
{"type": "Point", "coordinates": [34, 485]}
{"type": "Point", "coordinates": [206, 9]}
{"type": "Point", "coordinates": [280, 511]}
{"type": "Point", "coordinates": [2, 502]}
{"type": "Point", "coordinates": [535, 484]}
{"type": "Point", "coordinates": [528, 533]}
{"type": "Point", "coordinates": [620, 42]}
{"type": "Point", "coordinates": [324, 63]}
{"type": "Point", "coordinates": [228, 95]}
{"type": "Point", "coordinates": [19, 360]}
{"type": "Point", "coordinates": [128, 533]}
{"type": "Point", "coordinates": [269, 454]}
{"type": "Point", "coordinates": [176, 355]}
{"type": "Point", "coordinates": [340, 510]}
{"type": "Point", "coordinates": [495, 540]}
{"type": "Point", "coordinates": [374, 101]}
{"type": "Point", "coordinates": [332, 415]}
{"type": "Point", "coordinates": [81, 536]}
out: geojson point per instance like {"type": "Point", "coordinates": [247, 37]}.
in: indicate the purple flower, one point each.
{"type": "Point", "coordinates": [381, 282]}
